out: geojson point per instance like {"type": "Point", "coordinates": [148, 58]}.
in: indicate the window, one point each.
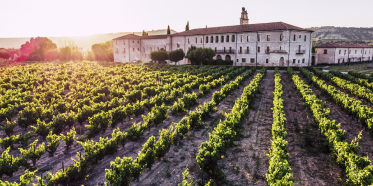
{"type": "Point", "coordinates": [138, 49]}
{"type": "Point", "coordinates": [133, 41]}
{"type": "Point", "coordinates": [116, 51]}
{"type": "Point", "coordinates": [303, 60]}
{"type": "Point", "coordinates": [217, 39]}
{"type": "Point", "coordinates": [294, 61]}
{"type": "Point", "coordinates": [345, 52]}
{"type": "Point", "coordinates": [361, 51]}
{"type": "Point", "coordinates": [252, 60]}
{"type": "Point", "coordinates": [258, 49]}
{"type": "Point", "coordinates": [280, 48]}
{"type": "Point", "coordinates": [188, 41]}
{"type": "Point", "coordinates": [305, 38]}
{"type": "Point", "coordinates": [259, 37]}
{"type": "Point", "coordinates": [233, 38]}
{"type": "Point", "coordinates": [138, 41]}
{"type": "Point", "coordinates": [227, 39]}
{"type": "Point", "coordinates": [266, 60]}
{"type": "Point", "coordinates": [294, 38]}
{"type": "Point", "coordinates": [268, 38]}
{"type": "Point", "coordinates": [241, 38]}
{"type": "Point", "coordinates": [124, 42]}
{"type": "Point", "coordinates": [224, 50]}
{"type": "Point", "coordinates": [222, 39]}
{"type": "Point", "coordinates": [212, 39]}
{"type": "Point", "coordinates": [215, 49]}
{"type": "Point", "coordinates": [339, 60]}
{"type": "Point", "coordinates": [248, 38]}
{"type": "Point", "coordinates": [298, 61]}
{"type": "Point", "coordinates": [267, 49]}
{"type": "Point", "coordinates": [240, 50]}
{"type": "Point", "coordinates": [124, 50]}
{"type": "Point", "coordinates": [201, 39]}
{"type": "Point", "coordinates": [281, 37]}
{"type": "Point", "coordinates": [300, 36]}
{"type": "Point", "coordinates": [355, 51]}
{"type": "Point", "coordinates": [178, 45]}
{"type": "Point", "coordinates": [230, 49]}
{"type": "Point", "coordinates": [243, 60]}
{"type": "Point", "coordinates": [207, 39]}
{"type": "Point", "coordinates": [196, 40]}
{"type": "Point", "coordinates": [247, 50]}
{"type": "Point", "coordinates": [339, 51]}
{"type": "Point", "coordinates": [349, 51]}
{"type": "Point", "coordinates": [133, 49]}
{"type": "Point", "coordinates": [325, 51]}
{"type": "Point", "coordinates": [238, 60]}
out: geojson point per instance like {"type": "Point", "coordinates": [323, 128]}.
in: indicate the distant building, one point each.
{"type": "Point", "coordinates": [265, 44]}
{"type": "Point", "coordinates": [339, 53]}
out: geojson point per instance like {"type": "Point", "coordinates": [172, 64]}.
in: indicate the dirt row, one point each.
{"type": "Point", "coordinates": [348, 123]}
{"type": "Point", "coordinates": [53, 164]}
{"type": "Point", "coordinates": [168, 171]}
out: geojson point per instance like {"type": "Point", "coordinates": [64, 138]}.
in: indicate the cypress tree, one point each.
{"type": "Point", "coordinates": [187, 26]}
{"type": "Point", "coordinates": [168, 30]}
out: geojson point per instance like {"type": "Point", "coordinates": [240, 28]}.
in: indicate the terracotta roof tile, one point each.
{"type": "Point", "coordinates": [344, 45]}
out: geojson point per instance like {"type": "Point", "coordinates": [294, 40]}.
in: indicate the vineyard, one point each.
{"type": "Point", "coordinates": [92, 123]}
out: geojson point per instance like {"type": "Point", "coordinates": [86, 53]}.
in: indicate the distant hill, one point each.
{"type": "Point", "coordinates": [348, 33]}
{"type": "Point", "coordinates": [84, 42]}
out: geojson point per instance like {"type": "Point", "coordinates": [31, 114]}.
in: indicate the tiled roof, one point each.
{"type": "Point", "coordinates": [223, 29]}
{"type": "Point", "coordinates": [344, 45]}
{"type": "Point", "coordinates": [242, 28]}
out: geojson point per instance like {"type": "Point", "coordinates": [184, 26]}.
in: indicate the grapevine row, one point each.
{"type": "Point", "coordinates": [225, 132]}
{"type": "Point", "coordinates": [358, 169]}
{"type": "Point", "coordinates": [279, 170]}
{"type": "Point", "coordinates": [123, 169]}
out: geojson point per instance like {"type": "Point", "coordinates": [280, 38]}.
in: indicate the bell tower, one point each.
{"type": "Point", "coordinates": [244, 20]}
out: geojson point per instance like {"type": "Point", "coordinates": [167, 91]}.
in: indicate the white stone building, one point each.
{"type": "Point", "coordinates": [265, 44]}
{"type": "Point", "coordinates": [339, 53]}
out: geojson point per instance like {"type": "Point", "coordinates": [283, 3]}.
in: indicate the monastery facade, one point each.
{"type": "Point", "coordinates": [265, 44]}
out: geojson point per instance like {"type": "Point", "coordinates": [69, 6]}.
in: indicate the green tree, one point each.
{"type": "Point", "coordinates": [200, 54]}
{"type": "Point", "coordinates": [187, 26]}
{"type": "Point", "coordinates": [176, 55]}
{"type": "Point", "coordinates": [65, 53]}
{"type": "Point", "coordinates": [168, 29]}
{"type": "Point", "coordinates": [144, 33]}
{"type": "Point", "coordinates": [4, 54]}
{"type": "Point", "coordinates": [160, 56]}
{"type": "Point", "coordinates": [103, 51]}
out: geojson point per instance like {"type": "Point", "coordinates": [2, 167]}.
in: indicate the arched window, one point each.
{"type": "Point", "coordinates": [212, 39]}
{"type": "Point", "coordinates": [217, 39]}
{"type": "Point", "coordinates": [233, 38]}
{"type": "Point", "coordinates": [207, 39]}
{"type": "Point", "coordinates": [227, 39]}
{"type": "Point", "coordinates": [218, 57]}
{"type": "Point", "coordinates": [227, 57]}
{"type": "Point", "coordinates": [222, 39]}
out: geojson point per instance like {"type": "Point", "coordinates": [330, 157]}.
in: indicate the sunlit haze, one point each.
{"type": "Point", "coordinates": [30, 18]}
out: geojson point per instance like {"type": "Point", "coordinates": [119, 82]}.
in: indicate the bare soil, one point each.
{"type": "Point", "coordinates": [348, 123]}
{"type": "Point", "coordinates": [168, 171]}
{"type": "Point", "coordinates": [309, 157]}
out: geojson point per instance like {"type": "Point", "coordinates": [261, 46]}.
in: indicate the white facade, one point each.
{"type": "Point", "coordinates": [340, 55]}
{"type": "Point", "coordinates": [267, 44]}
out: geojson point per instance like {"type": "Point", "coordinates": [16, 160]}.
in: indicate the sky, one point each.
{"type": "Point", "coordinates": [47, 18]}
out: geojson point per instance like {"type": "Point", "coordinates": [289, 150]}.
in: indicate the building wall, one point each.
{"type": "Point", "coordinates": [184, 42]}
{"type": "Point", "coordinates": [342, 55]}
